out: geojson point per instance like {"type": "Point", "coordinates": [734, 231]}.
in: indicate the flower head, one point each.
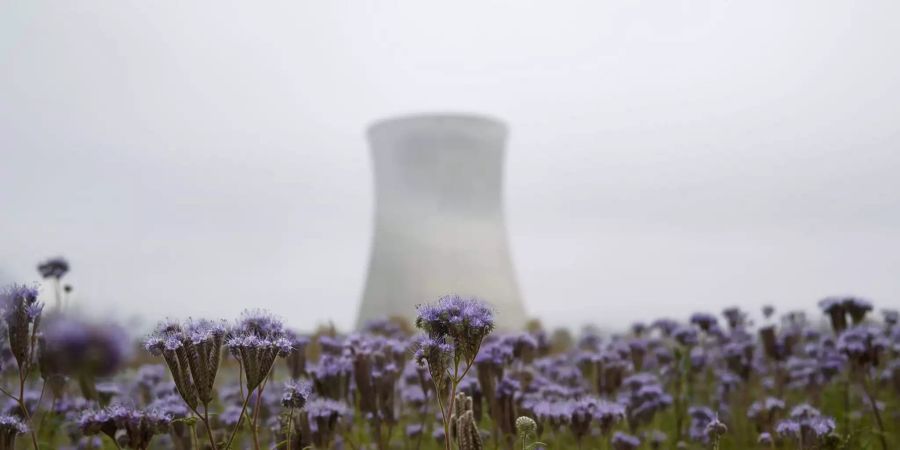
{"type": "Point", "coordinates": [464, 322]}
{"type": "Point", "coordinates": [624, 441]}
{"type": "Point", "coordinates": [53, 268]}
{"type": "Point", "coordinates": [76, 347]}
{"type": "Point", "coordinates": [295, 393]}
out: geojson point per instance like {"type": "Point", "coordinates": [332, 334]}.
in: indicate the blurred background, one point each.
{"type": "Point", "coordinates": [665, 156]}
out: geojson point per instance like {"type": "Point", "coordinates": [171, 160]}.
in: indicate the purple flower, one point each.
{"type": "Point", "coordinates": [607, 414]}
{"type": "Point", "coordinates": [665, 326]}
{"type": "Point", "coordinates": [437, 354]}
{"type": "Point", "coordinates": [10, 426]}
{"type": "Point", "coordinates": [295, 393]}
{"type": "Point", "coordinates": [464, 322]}
{"type": "Point", "coordinates": [686, 336]}
{"type": "Point", "coordinates": [704, 321]}
{"type": "Point", "coordinates": [623, 441]}
{"type": "Point", "coordinates": [322, 417]}
{"type": "Point", "coordinates": [75, 347]}
{"type": "Point", "coordinates": [260, 323]}
{"type": "Point", "coordinates": [22, 314]}
{"type": "Point", "coordinates": [862, 345]}
{"type": "Point", "coordinates": [257, 340]}
{"type": "Point", "coordinates": [413, 430]}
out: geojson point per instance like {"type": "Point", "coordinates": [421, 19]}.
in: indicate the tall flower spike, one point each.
{"type": "Point", "coordinates": [464, 322]}
{"type": "Point", "coordinates": [257, 340]}
{"type": "Point", "coordinates": [203, 343]}
{"type": "Point", "coordinates": [22, 314]}
{"type": "Point", "coordinates": [168, 340]}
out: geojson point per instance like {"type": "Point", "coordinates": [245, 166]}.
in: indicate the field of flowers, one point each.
{"type": "Point", "coordinates": [738, 380]}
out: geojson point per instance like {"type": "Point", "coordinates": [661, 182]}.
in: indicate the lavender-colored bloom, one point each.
{"type": "Point", "coordinates": [22, 314]}
{"type": "Point", "coordinates": [862, 345]}
{"type": "Point", "coordinates": [257, 354]}
{"type": "Point", "coordinates": [665, 326]}
{"type": "Point", "coordinates": [76, 347]}
{"type": "Point", "coordinates": [257, 340]}
{"type": "Point", "coordinates": [623, 441]}
{"type": "Point", "coordinates": [192, 353]}
{"type": "Point", "coordinates": [10, 427]}
{"type": "Point", "coordinates": [138, 426]}
{"type": "Point", "coordinates": [857, 308]}
{"type": "Point", "coordinates": [788, 429]}
{"type": "Point", "coordinates": [464, 322]}
{"type": "Point", "coordinates": [296, 392]}
{"type": "Point", "coordinates": [643, 398]}
{"type": "Point", "coordinates": [322, 417]}
{"type": "Point", "coordinates": [764, 412]}
{"type": "Point", "coordinates": [331, 376]}
{"type": "Point", "coordinates": [806, 424]}
{"type": "Point", "coordinates": [735, 317]}
{"type": "Point", "coordinates": [54, 268]}
{"type": "Point", "coordinates": [413, 430]}
{"type": "Point", "coordinates": [607, 414]}
{"type": "Point", "coordinates": [764, 439]}
{"type": "Point", "coordinates": [437, 353]}
{"type": "Point", "coordinates": [704, 321]}
{"type": "Point", "coordinates": [701, 416]}
{"type": "Point", "coordinates": [259, 323]}
{"type": "Point", "coordinates": [686, 336]}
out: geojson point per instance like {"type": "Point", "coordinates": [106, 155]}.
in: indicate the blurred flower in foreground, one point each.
{"type": "Point", "coordinates": [79, 348]}
{"type": "Point", "coordinates": [10, 427]}
{"type": "Point", "coordinates": [54, 268]}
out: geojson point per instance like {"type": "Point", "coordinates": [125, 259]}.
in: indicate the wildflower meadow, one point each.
{"type": "Point", "coordinates": [734, 379]}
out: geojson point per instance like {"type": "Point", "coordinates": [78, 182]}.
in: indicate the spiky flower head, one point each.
{"type": "Point", "coordinates": [257, 340]}
{"type": "Point", "coordinates": [10, 427]}
{"type": "Point", "coordinates": [464, 322]}
{"type": "Point", "coordinates": [863, 346]}
{"type": "Point", "coordinates": [129, 427]}
{"type": "Point", "coordinates": [192, 352]}
{"type": "Point", "coordinates": [296, 392]}
{"type": "Point", "coordinates": [436, 354]}
{"type": "Point", "coordinates": [22, 313]}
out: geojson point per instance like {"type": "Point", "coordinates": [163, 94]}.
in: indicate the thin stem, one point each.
{"type": "Point", "coordinates": [256, 408]}
{"type": "Point", "coordinates": [874, 404]}
{"type": "Point", "coordinates": [290, 426]}
{"type": "Point", "coordinates": [240, 420]}
{"type": "Point", "coordinates": [209, 434]}
{"type": "Point", "coordinates": [194, 439]}
{"type": "Point", "coordinates": [23, 375]}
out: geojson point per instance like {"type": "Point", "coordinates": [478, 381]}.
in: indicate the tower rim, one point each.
{"type": "Point", "coordinates": [485, 124]}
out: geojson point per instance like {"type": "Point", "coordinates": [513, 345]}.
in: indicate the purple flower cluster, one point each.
{"type": "Point", "coordinates": [128, 427]}
{"type": "Point", "coordinates": [462, 322]}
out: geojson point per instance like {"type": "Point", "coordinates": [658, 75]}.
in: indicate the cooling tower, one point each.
{"type": "Point", "coordinates": [439, 225]}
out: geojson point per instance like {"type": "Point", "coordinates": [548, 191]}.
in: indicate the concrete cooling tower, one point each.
{"type": "Point", "coordinates": [439, 225]}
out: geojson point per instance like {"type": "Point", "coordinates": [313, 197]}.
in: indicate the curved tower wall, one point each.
{"type": "Point", "coordinates": [439, 226]}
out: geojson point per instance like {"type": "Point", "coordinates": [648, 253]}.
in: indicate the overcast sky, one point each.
{"type": "Point", "coordinates": [198, 158]}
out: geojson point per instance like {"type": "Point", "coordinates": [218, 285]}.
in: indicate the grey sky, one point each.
{"type": "Point", "coordinates": [202, 157]}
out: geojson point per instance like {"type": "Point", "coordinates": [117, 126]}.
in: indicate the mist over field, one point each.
{"type": "Point", "coordinates": [194, 159]}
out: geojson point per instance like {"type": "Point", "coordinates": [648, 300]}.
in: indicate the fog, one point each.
{"type": "Point", "coordinates": [199, 158]}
